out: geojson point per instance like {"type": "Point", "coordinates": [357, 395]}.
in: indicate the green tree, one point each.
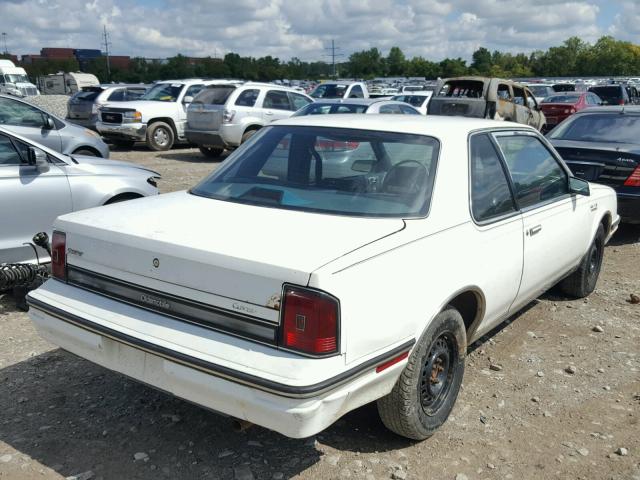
{"type": "Point", "coordinates": [396, 62]}
{"type": "Point", "coordinates": [482, 61]}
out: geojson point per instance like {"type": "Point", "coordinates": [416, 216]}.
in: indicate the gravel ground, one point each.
{"type": "Point", "coordinates": [529, 418]}
{"type": "Point", "coordinates": [54, 104]}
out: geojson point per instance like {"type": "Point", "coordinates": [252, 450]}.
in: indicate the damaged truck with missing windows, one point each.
{"type": "Point", "coordinates": [482, 97]}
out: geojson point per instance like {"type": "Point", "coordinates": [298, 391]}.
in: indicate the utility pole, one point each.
{"type": "Point", "coordinates": [107, 44]}
{"type": "Point", "coordinates": [333, 56]}
{"type": "Point", "coordinates": [4, 38]}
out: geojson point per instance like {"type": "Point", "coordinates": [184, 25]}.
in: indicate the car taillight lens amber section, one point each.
{"type": "Point", "coordinates": [310, 321]}
{"type": "Point", "coordinates": [59, 256]}
{"type": "Point", "coordinates": [634, 178]}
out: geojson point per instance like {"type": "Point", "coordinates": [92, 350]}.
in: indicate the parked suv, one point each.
{"type": "Point", "coordinates": [224, 115]}
{"type": "Point", "coordinates": [83, 106]}
{"type": "Point", "coordinates": [157, 118]}
{"type": "Point", "coordinates": [612, 94]}
{"type": "Point", "coordinates": [483, 97]}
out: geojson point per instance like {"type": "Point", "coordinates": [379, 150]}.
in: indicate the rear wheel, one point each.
{"type": "Point", "coordinates": [247, 135]}
{"type": "Point", "coordinates": [582, 282]}
{"type": "Point", "coordinates": [160, 136]}
{"type": "Point", "coordinates": [426, 391]}
{"type": "Point", "coordinates": [211, 152]}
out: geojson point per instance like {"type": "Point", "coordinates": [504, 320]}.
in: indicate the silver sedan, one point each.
{"type": "Point", "coordinates": [38, 184]}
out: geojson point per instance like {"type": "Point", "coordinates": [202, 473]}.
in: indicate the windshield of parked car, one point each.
{"type": "Point", "coordinates": [15, 78]}
{"type": "Point", "coordinates": [214, 94]}
{"type": "Point", "coordinates": [415, 100]}
{"type": "Point", "coordinates": [329, 90]}
{"type": "Point", "coordinates": [163, 92]}
{"type": "Point", "coordinates": [462, 88]}
{"type": "Point", "coordinates": [324, 108]}
{"type": "Point", "coordinates": [329, 170]}
{"type": "Point", "coordinates": [562, 99]}
{"type": "Point", "coordinates": [609, 95]}
{"type": "Point", "coordinates": [600, 127]}
{"type": "Point", "coordinates": [539, 90]}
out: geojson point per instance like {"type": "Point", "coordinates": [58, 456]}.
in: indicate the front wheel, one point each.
{"type": "Point", "coordinates": [582, 282]}
{"type": "Point", "coordinates": [426, 391]}
{"type": "Point", "coordinates": [160, 137]}
{"type": "Point", "coordinates": [86, 152]}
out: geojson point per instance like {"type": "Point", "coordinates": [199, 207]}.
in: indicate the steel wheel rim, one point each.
{"type": "Point", "coordinates": [436, 376]}
{"type": "Point", "coordinates": [161, 137]}
{"type": "Point", "coordinates": [594, 259]}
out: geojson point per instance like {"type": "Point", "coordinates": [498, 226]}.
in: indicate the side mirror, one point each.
{"type": "Point", "coordinates": [48, 123]}
{"type": "Point", "coordinates": [38, 159]}
{"type": "Point", "coordinates": [187, 99]}
{"type": "Point", "coordinates": [579, 186]}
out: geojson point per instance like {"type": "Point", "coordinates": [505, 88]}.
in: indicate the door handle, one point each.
{"type": "Point", "coordinates": [534, 230]}
{"type": "Point", "coordinates": [268, 113]}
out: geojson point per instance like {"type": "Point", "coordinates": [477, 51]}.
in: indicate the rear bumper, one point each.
{"type": "Point", "coordinates": [204, 138]}
{"type": "Point", "coordinates": [126, 131]}
{"type": "Point", "coordinates": [294, 410]}
{"type": "Point", "coordinates": [629, 207]}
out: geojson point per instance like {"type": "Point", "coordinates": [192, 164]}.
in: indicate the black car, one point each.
{"type": "Point", "coordinates": [602, 145]}
{"type": "Point", "coordinates": [612, 94]}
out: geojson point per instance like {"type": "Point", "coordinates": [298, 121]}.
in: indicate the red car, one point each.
{"type": "Point", "coordinates": [562, 105]}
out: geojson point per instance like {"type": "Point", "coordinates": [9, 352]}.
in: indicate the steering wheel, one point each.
{"type": "Point", "coordinates": [411, 187]}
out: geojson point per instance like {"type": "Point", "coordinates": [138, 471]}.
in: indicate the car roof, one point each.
{"type": "Point", "coordinates": [419, 93]}
{"type": "Point", "coordinates": [351, 101]}
{"type": "Point", "coordinates": [435, 125]}
{"type": "Point", "coordinates": [272, 85]}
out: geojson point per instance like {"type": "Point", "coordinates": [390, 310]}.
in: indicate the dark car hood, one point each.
{"type": "Point", "coordinates": [600, 146]}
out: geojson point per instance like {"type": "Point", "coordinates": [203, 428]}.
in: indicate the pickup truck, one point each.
{"type": "Point", "coordinates": [340, 89]}
{"type": "Point", "coordinates": [157, 118]}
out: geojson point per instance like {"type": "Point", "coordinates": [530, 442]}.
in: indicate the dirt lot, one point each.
{"type": "Point", "coordinates": [530, 419]}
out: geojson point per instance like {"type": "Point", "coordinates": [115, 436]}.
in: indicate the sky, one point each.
{"type": "Point", "coordinates": [434, 29]}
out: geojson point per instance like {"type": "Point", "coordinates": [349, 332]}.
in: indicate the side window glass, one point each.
{"type": "Point", "coordinates": [518, 96]}
{"type": "Point", "coordinates": [408, 110]}
{"type": "Point", "coordinates": [193, 90]}
{"type": "Point", "coordinates": [247, 98]}
{"type": "Point", "coordinates": [356, 92]}
{"type": "Point", "coordinates": [276, 99]}
{"type": "Point", "coordinates": [490, 194]}
{"type": "Point", "coordinates": [8, 154]}
{"type": "Point", "coordinates": [390, 109]}
{"type": "Point", "coordinates": [503, 92]}
{"type": "Point", "coordinates": [117, 95]}
{"type": "Point", "coordinates": [13, 112]}
{"type": "Point", "coordinates": [537, 176]}
{"type": "Point", "coordinates": [133, 94]}
{"type": "Point", "coordinates": [298, 101]}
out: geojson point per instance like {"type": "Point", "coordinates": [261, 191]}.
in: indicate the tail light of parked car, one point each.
{"type": "Point", "coordinates": [570, 111]}
{"type": "Point", "coordinates": [310, 321]}
{"type": "Point", "coordinates": [59, 255]}
{"type": "Point", "coordinates": [634, 178]}
{"type": "Point", "coordinates": [227, 115]}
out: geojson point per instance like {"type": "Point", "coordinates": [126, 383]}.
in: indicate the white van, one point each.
{"type": "Point", "coordinates": [14, 80]}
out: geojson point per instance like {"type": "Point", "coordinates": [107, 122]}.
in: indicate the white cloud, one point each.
{"type": "Point", "coordinates": [302, 28]}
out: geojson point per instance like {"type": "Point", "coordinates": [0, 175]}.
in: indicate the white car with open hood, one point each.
{"type": "Point", "coordinates": [332, 261]}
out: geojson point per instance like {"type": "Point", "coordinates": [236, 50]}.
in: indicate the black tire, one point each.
{"type": "Point", "coordinates": [248, 134]}
{"type": "Point", "coordinates": [211, 152]}
{"type": "Point", "coordinates": [160, 137]}
{"type": "Point", "coordinates": [124, 143]}
{"type": "Point", "coordinates": [86, 152]}
{"type": "Point", "coordinates": [582, 282]}
{"type": "Point", "coordinates": [419, 403]}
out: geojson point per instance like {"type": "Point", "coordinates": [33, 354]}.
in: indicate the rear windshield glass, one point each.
{"type": "Point", "coordinates": [329, 170]}
{"type": "Point", "coordinates": [214, 94]}
{"type": "Point", "coordinates": [462, 88]}
{"type": "Point", "coordinates": [329, 90]}
{"type": "Point", "coordinates": [564, 87]}
{"type": "Point", "coordinates": [324, 108]}
{"type": "Point", "coordinates": [609, 95]}
{"type": "Point", "coordinates": [602, 127]}
{"type": "Point", "coordinates": [415, 100]}
{"type": "Point", "coordinates": [562, 99]}
{"type": "Point", "coordinates": [539, 90]}
{"type": "Point", "coordinates": [87, 95]}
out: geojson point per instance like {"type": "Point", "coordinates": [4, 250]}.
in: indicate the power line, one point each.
{"type": "Point", "coordinates": [4, 37]}
{"type": "Point", "coordinates": [107, 44]}
{"type": "Point", "coordinates": [333, 55]}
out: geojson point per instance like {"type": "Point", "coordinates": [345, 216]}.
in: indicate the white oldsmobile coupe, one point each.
{"type": "Point", "coordinates": [331, 261]}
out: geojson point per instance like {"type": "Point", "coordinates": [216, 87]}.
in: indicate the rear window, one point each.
{"type": "Point", "coordinates": [325, 108]}
{"type": "Point", "coordinates": [609, 95]}
{"type": "Point", "coordinates": [329, 170]}
{"type": "Point", "coordinates": [214, 94]}
{"type": "Point", "coordinates": [602, 127]}
{"type": "Point", "coordinates": [562, 99]}
{"type": "Point", "coordinates": [415, 100]}
{"type": "Point", "coordinates": [329, 90]}
{"type": "Point", "coordinates": [462, 88]}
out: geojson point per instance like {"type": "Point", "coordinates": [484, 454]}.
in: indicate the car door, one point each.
{"type": "Point", "coordinates": [276, 106]}
{"type": "Point", "coordinates": [555, 223]}
{"type": "Point", "coordinates": [31, 200]}
{"type": "Point", "coordinates": [28, 121]}
{"type": "Point", "coordinates": [191, 91]}
{"type": "Point", "coordinates": [498, 225]}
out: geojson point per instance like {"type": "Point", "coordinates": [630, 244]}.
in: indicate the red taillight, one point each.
{"type": "Point", "coordinates": [59, 255]}
{"type": "Point", "coordinates": [634, 178]}
{"type": "Point", "coordinates": [335, 146]}
{"type": "Point", "coordinates": [310, 321]}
